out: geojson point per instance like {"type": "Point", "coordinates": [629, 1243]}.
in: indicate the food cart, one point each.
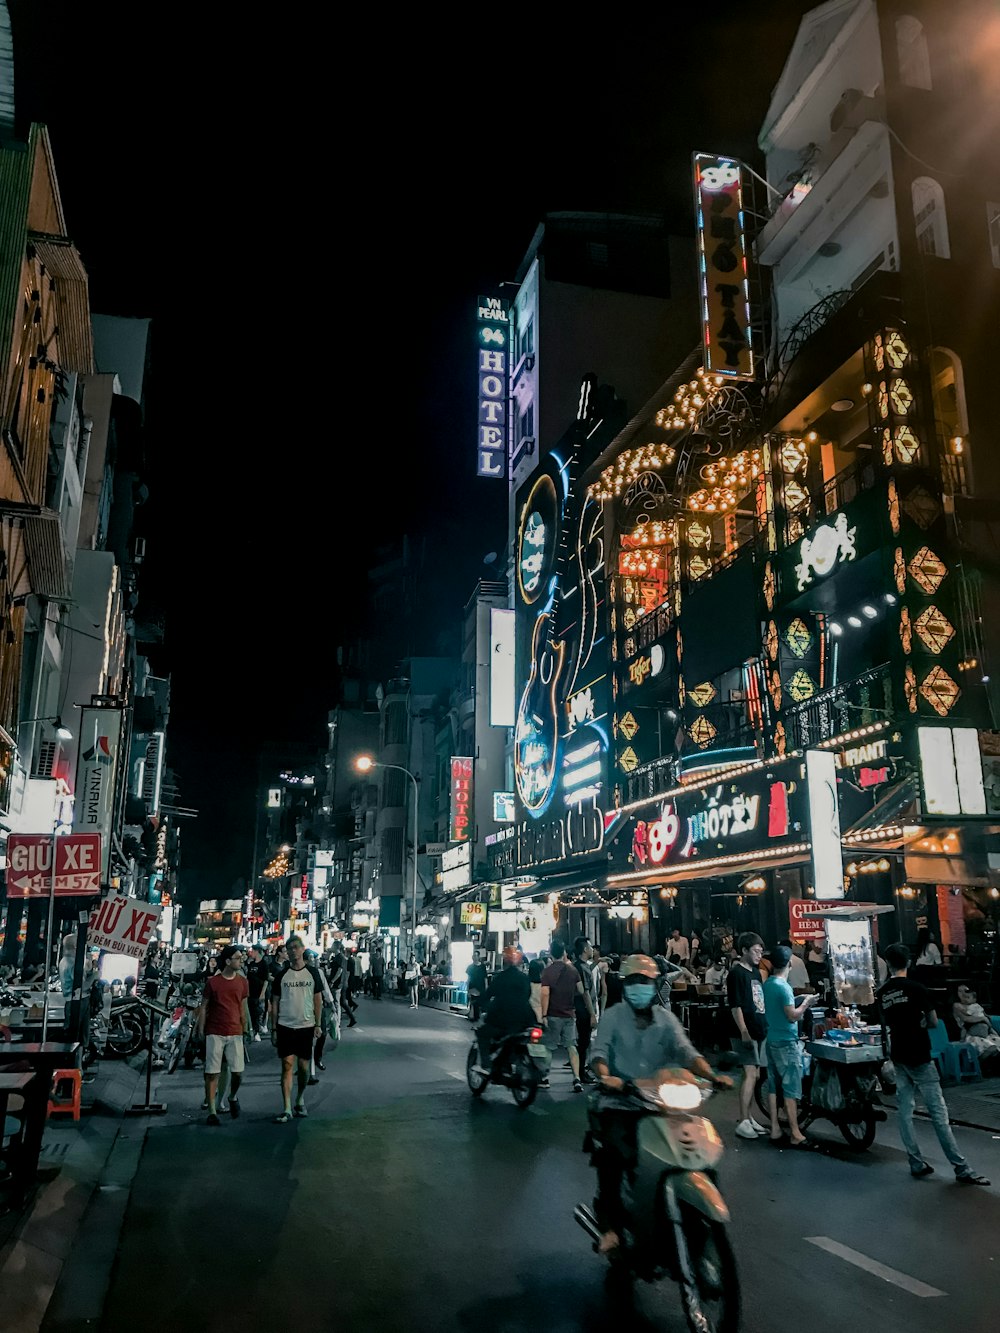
{"type": "Point", "coordinates": [846, 1060]}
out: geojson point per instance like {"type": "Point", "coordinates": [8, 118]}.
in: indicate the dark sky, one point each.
{"type": "Point", "coordinates": [308, 217]}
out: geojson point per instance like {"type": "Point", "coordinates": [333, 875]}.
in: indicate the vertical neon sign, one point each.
{"type": "Point", "coordinates": [722, 267]}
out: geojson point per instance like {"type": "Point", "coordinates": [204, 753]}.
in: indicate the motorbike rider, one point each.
{"type": "Point", "coordinates": [643, 1043]}
{"type": "Point", "coordinates": [506, 1008]}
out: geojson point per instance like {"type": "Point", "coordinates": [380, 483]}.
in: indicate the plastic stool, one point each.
{"type": "Point", "coordinates": [61, 1102]}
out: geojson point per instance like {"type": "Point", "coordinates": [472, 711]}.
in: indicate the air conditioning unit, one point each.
{"type": "Point", "coordinates": [47, 758]}
{"type": "Point", "coordinates": [139, 553]}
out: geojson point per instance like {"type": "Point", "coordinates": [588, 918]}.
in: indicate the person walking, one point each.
{"type": "Point", "coordinates": [296, 1022]}
{"type": "Point", "coordinates": [412, 978]}
{"type": "Point", "coordinates": [561, 988]}
{"type": "Point", "coordinates": [224, 1020]}
{"type": "Point", "coordinates": [784, 1057]}
{"type": "Point", "coordinates": [348, 1004]}
{"type": "Point", "coordinates": [258, 976]}
{"type": "Point", "coordinates": [745, 997]}
{"type": "Point", "coordinates": [586, 1015]}
{"type": "Point", "coordinates": [908, 1010]}
{"type": "Point", "coordinates": [312, 960]}
{"type": "Point", "coordinates": [378, 974]}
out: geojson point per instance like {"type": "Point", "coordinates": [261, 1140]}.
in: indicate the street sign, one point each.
{"type": "Point", "coordinates": [124, 925]}
{"type": "Point", "coordinates": [435, 848]}
{"type": "Point", "coordinates": [800, 927]}
{"type": "Point", "coordinates": [29, 865]}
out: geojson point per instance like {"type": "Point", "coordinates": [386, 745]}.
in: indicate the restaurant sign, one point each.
{"type": "Point", "coordinates": [745, 814]}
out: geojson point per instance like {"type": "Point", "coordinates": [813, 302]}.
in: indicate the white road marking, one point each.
{"type": "Point", "coordinates": [460, 1077]}
{"type": "Point", "coordinates": [893, 1275]}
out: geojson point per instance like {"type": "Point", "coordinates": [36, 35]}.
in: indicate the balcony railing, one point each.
{"type": "Point", "coordinates": [856, 703]}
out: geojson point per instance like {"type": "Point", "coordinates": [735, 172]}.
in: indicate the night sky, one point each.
{"type": "Point", "coordinates": [308, 222]}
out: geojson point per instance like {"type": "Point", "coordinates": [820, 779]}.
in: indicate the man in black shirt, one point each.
{"type": "Point", "coordinates": [745, 997]}
{"type": "Point", "coordinates": [507, 1007]}
{"type": "Point", "coordinates": [258, 975]}
{"type": "Point", "coordinates": [476, 976]}
{"type": "Point", "coordinates": [908, 1010]}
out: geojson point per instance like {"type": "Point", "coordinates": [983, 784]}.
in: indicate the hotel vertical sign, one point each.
{"type": "Point", "coordinates": [492, 339]}
{"type": "Point", "coordinates": [96, 767]}
{"type": "Point", "coordinates": [460, 823]}
{"type": "Point", "coordinates": [722, 267]}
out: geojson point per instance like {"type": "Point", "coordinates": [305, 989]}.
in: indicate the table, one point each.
{"type": "Point", "coordinates": [44, 1060]}
{"type": "Point", "coordinates": [17, 1161]}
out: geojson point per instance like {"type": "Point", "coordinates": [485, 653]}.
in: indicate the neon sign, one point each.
{"type": "Point", "coordinates": [830, 544]}
{"type": "Point", "coordinates": [492, 368]}
{"type": "Point", "coordinates": [461, 798]}
{"type": "Point", "coordinates": [722, 267]}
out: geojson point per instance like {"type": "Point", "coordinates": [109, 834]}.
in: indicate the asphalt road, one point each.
{"type": "Point", "coordinates": [401, 1204]}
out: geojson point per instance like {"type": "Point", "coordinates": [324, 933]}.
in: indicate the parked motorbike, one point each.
{"type": "Point", "coordinates": [677, 1220]}
{"type": "Point", "coordinates": [846, 1095]}
{"type": "Point", "coordinates": [176, 1035]}
{"type": "Point", "coordinates": [519, 1062]}
{"type": "Point", "coordinates": [126, 1028]}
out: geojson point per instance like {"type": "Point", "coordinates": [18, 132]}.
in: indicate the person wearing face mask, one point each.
{"type": "Point", "coordinates": [643, 1043]}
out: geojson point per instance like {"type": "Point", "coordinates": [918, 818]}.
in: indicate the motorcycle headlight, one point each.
{"type": "Point", "coordinates": [680, 1096]}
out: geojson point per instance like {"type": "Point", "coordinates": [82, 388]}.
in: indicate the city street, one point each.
{"type": "Point", "coordinates": [401, 1203]}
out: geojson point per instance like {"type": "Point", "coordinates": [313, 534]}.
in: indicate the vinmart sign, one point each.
{"type": "Point", "coordinates": [29, 865]}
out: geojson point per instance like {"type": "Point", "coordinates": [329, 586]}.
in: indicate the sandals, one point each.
{"type": "Point", "coordinates": [282, 1119]}
{"type": "Point", "coordinates": [299, 1112]}
{"type": "Point", "coordinates": [806, 1145]}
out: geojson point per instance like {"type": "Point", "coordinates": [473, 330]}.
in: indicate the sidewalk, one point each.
{"type": "Point", "coordinates": [36, 1244]}
{"type": "Point", "coordinates": [971, 1105]}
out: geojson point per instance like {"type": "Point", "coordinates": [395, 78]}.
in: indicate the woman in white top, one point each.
{"type": "Point", "coordinates": [928, 954]}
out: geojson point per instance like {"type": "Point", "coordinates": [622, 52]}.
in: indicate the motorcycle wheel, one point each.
{"type": "Point", "coordinates": [477, 1082]}
{"type": "Point", "coordinates": [177, 1049]}
{"type": "Point", "coordinates": [712, 1300]}
{"type": "Point", "coordinates": [125, 1035]}
{"type": "Point", "coordinates": [859, 1134]}
{"type": "Point", "coordinates": [524, 1082]}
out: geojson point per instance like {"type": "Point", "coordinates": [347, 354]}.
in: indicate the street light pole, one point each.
{"type": "Point", "coordinates": [363, 764]}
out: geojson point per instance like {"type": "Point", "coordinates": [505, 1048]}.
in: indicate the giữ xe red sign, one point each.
{"type": "Point", "coordinates": [29, 865]}
{"type": "Point", "coordinates": [124, 925]}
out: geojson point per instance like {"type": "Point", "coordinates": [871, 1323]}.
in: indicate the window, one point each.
{"type": "Point", "coordinates": [993, 227]}
{"type": "Point", "coordinates": [526, 339]}
{"type": "Point", "coordinates": [950, 420]}
{"type": "Point", "coordinates": [526, 423]}
{"type": "Point", "coordinates": [929, 218]}
{"type": "Point", "coordinates": [911, 49]}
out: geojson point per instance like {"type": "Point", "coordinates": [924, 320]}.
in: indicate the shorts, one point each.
{"type": "Point", "coordinates": [784, 1069]}
{"type": "Point", "coordinates": [231, 1047]}
{"type": "Point", "coordinates": [749, 1055]}
{"type": "Point", "coordinates": [295, 1041]}
{"type": "Point", "coordinates": [560, 1032]}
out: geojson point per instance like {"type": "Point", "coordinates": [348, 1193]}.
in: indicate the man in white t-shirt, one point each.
{"type": "Point", "coordinates": [678, 947]}
{"type": "Point", "coordinates": [296, 1023]}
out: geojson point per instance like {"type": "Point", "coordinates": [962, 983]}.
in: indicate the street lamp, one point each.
{"type": "Point", "coordinates": [364, 764]}
{"type": "Point", "coordinates": [62, 732]}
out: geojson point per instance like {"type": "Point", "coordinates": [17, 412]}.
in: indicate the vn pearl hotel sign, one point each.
{"type": "Point", "coordinates": [492, 323]}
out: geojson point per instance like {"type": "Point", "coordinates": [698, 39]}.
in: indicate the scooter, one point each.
{"type": "Point", "coordinates": [677, 1220]}
{"type": "Point", "coordinates": [126, 1028]}
{"type": "Point", "coordinates": [520, 1062]}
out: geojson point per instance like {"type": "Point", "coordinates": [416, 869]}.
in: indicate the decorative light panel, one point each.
{"type": "Point", "coordinates": [737, 472]}
{"type": "Point", "coordinates": [702, 694]}
{"type": "Point", "coordinates": [893, 507]}
{"type": "Point", "coordinates": [701, 731]}
{"type": "Point", "coordinates": [716, 500]}
{"type": "Point", "coordinates": [801, 686]}
{"type": "Point", "coordinates": [928, 570]}
{"type": "Point", "coordinates": [628, 759]}
{"type": "Point", "coordinates": [652, 532]}
{"type": "Point", "coordinates": [798, 637]}
{"type": "Point", "coordinates": [628, 466]}
{"type": "Point", "coordinates": [904, 443]}
{"type": "Point", "coordinates": [905, 630]}
{"type": "Point", "coordinates": [780, 741]}
{"type": "Point", "coordinates": [774, 689]}
{"type": "Point", "coordinates": [699, 566]}
{"type": "Point", "coordinates": [900, 396]}
{"type": "Point", "coordinates": [770, 586]}
{"type": "Point", "coordinates": [630, 618]}
{"type": "Point", "coordinates": [796, 496]}
{"type": "Point", "coordinates": [793, 455]}
{"type": "Point", "coordinates": [699, 534]}
{"type": "Point", "coordinates": [771, 640]}
{"type": "Point", "coordinates": [627, 726]}
{"type": "Point", "coordinates": [688, 402]}
{"type": "Point", "coordinates": [899, 570]}
{"type": "Point", "coordinates": [910, 689]}
{"type": "Point", "coordinates": [922, 507]}
{"type": "Point", "coordinates": [940, 690]}
{"type": "Point", "coordinates": [935, 629]}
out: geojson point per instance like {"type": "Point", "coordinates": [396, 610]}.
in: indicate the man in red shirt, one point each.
{"type": "Point", "coordinates": [561, 986]}
{"type": "Point", "coordinates": [224, 1018]}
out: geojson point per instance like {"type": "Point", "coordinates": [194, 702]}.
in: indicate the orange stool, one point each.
{"type": "Point", "coordinates": [62, 1102]}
